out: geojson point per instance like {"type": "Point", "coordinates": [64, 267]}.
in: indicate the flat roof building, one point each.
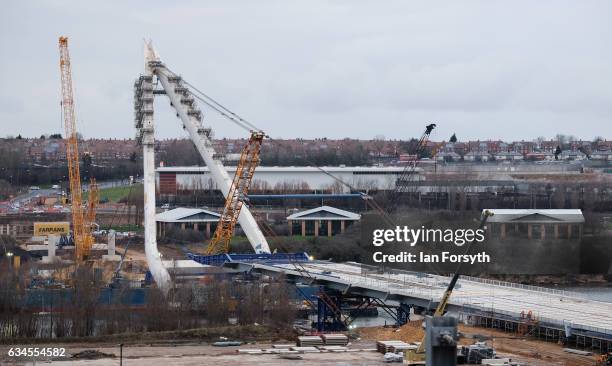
{"type": "Point", "coordinates": [307, 179]}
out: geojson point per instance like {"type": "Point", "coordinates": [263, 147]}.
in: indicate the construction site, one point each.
{"type": "Point", "coordinates": [268, 281]}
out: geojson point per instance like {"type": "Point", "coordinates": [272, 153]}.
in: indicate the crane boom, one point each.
{"type": "Point", "coordinates": [81, 227]}
{"type": "Point", "coordinates": [443, 304]}
{"type": "Point", "coordinates": [237, 195]}
{"type": "Point", "coordinates": [407, 174]}
{"type": "Point", "coordinates": [182, 100]}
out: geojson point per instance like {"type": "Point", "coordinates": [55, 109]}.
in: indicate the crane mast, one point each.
{"type": "Point", "coordinates": [81, 227]}
{"type": "Point", "coordinates": [249, 159]}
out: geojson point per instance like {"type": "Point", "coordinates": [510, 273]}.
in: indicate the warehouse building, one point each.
{"type": "Point", "coordinates": [171, 180]}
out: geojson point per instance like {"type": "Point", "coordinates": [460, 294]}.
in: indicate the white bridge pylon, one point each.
{"type": "Point", "coordinates": [184, 104]}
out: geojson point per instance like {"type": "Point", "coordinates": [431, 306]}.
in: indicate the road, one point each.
{"type": "Point", "coordinates": [25, 198]}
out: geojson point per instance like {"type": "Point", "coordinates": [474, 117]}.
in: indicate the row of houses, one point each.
{"type": "Point", "coordinates": [378, 150]}
{"type": "Point", "coordinates": [451, 152]}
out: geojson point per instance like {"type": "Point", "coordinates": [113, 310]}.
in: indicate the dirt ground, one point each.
{"type": "Point", "coordinates": [528, 351]}
{"type": "Point", "coordinates": [193, 352]}
{"type": "Point", "coordinates": [196, 354]}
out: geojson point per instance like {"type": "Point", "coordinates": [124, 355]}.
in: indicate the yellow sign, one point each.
{"type": "Point", "coordinates": [51, 228]}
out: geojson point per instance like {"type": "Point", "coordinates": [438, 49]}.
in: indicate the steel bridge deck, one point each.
{"type": "Point", "coordinates": [548, 306]}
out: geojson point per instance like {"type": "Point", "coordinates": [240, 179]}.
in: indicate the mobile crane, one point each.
{"type": "Point", "coordinates": [418, 356]}
{"type": "Point", "coordinates": [81, 219]}
{"type": "Point", "coordinates": [237, 195]}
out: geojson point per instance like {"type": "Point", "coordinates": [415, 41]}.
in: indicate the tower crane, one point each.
{"type": "Point", "coordinates": [81, 218]}
{"type": "Point", "coordinates": [237, 195]}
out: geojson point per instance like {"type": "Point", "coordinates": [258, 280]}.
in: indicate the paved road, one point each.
{"type": "Point", "coordinates": [25, 198]}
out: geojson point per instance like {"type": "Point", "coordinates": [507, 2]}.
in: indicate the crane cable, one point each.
{"type": "Point", "coordinates": [248, 126]}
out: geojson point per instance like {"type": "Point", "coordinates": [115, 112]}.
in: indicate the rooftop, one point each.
{"type": "Point", "coordinates": [536, 215]}
{"type": "Point", "coordinates": [175, 169]}
{"type": "Point", "coordinates": [183, 214]}
{"type": "Point", "coordinates": [324, 213]}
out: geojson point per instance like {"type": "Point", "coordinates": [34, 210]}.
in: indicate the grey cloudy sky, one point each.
{"type": "Point", "coordinates": [482, 69]}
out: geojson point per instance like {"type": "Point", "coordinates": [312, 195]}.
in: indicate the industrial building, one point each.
{"type": "Point", "coordinates": [171, 180]}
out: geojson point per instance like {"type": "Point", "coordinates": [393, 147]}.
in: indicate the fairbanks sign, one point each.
{"type": "Point", "coordinates": [51, 228]}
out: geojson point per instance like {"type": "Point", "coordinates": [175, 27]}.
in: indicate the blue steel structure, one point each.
{"type": "Point", "coordinates": [272, 258]}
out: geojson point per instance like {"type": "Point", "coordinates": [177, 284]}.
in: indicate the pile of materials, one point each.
{"type": "Point", "coordinates": [335, 339]}
{"type": "Point", "coordinates": [394, 346]}
{"type": "Point", "coordinates": [309, 341]}
{"type": "Point", "coordinates": [475, 353]}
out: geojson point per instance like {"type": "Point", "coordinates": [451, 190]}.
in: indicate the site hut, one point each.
{"type": "Point", "coordinates": [324, 219]}
{"type": "Point", "coordinates": [536, 224]}
{"type": "Point", "coordinates": [187, 218]}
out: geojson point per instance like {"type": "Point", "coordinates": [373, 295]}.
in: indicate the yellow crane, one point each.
{"type": "Point", "coordinates": [81, 219]}
{"type": "Point", "coordinates": [418, 356]}
{"type": "Point", "coordinates": [237, 194]}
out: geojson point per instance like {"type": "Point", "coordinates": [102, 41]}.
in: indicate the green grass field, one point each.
{"type": "Point", "coordinates": [115, 194]}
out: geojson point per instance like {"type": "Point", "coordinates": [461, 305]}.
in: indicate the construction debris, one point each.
{"type": "Point", "coordinates": [393, 357]}
{"type": "Point", "coordinates": [290, 357]}
{"type": "Point", "coordinates": [306, 349]}
{"type": "Point", "coordinates": [90, 354]}
{"type": "Point", "coordinates": [227, 343]}
{"type": "Point", "coordinates": [497, 362]}
{"type": "Point", "coordinates": [578, 352]}
{"type": "Point", "coordinates": [475, 353]}
{"type": "Point", "coordinates": [333, 348]}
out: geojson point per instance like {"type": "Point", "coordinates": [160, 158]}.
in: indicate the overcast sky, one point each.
{"type": "Point", "coordinates": [360, 69]}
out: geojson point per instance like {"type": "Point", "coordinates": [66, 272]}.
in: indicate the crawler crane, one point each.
{"type": "Point", "coordinates": [237, 195]}
{"type": "Point", "coordinates": [81, 219]}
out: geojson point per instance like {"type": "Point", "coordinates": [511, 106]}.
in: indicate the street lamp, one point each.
{"type": "Point", "coordinates": [9, 255]}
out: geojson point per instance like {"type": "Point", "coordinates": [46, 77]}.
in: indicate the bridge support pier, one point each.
{"type": "Point", "coordinates": [329, 311]}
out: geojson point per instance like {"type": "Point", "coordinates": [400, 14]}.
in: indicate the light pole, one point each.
{"type": "Point", "coordinates": [9, 255]}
